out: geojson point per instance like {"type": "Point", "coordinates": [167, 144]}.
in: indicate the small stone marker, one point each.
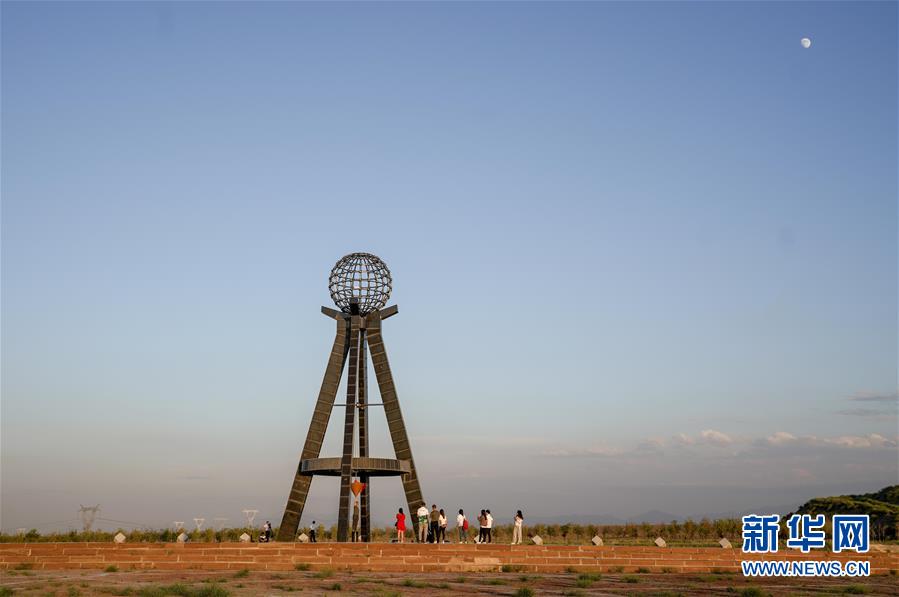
{"type": "Point", "coordinates": [725, 543]}
{"type": "Point", "coordinates": [537, 540]}
{"type": "Point", "coordinates": [597, 541]}
{"type": "Point", "coordinates": [119, 537]}
{"type": "Point", "coordinates": [303, 538]}
{"type": "Point", "coordinates": [244, 538]}
{"type": "Point", "coordinates": [660, 542]}
{"type": "Point", "coordinates": [182, 538]}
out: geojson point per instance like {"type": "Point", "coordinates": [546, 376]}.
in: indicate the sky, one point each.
{"type": "Point", "coordinates": [645, 254]}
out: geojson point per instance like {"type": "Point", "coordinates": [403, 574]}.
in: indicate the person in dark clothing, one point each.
{"type": "Point", "coordinates": [441, 537]}
{"type": "Point", "coordinates": [435, 522]}
{"type": "Point", "coordinates": [312, 533]}
{"type": "Point", "coordinates": [462, 526]}
{"type": "Point", "coordinates": [482, 527]}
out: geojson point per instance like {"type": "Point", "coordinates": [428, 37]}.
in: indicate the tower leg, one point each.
{"type": "Point", "coordinates": [395, 422]}
{"type": "Point", "coordinates": [349, 430]}
{"type": "Point", "coordinates": [316, 434]}
{"type": "Point", "coordinates": [362, 382]}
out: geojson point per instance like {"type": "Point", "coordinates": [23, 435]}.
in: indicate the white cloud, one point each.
{"type": "Point", "coordinates": [710, 437]}
{"type": "Point", "coordinates": [682, 439]}
{"type": "Point", "coordinates": [780, 438]}
{"type": "Point", "coordinates": [716, 438]}
{"type": "Point", "coordinates": [872, 440]}
{"type": "Point", "coordinates": [583, 452]}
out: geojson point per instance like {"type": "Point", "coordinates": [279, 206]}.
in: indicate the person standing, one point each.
{"type": "Point", "coordinates": [489, 527]}
{"type": "Point", "coordinates": [267, 529]}
{"type": "Point", "coordinates": [441, 538]}
{"type": "Point", "coordinates": [516, 528]}
{"type": "Point", "coordinates": [435, 522]}
{"type": "Point", "coordinates": [422, 523]}
{"type": "Point", "coordinates": [355, 520]}
{"type": "Point", "coordinates": [462, 526]}
{"type": "Point", "coordinates": [312, 533]}
{"type": "Point", "coordinates": [482, 526]}
{"type": "Point", "coordinates": [400, 527]}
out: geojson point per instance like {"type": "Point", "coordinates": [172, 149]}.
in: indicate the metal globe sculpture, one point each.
{"type": "Point", "coordinates": [363, 277]}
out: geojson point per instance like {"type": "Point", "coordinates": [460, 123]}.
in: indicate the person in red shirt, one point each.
{"type": "Point", "coordinates": [401, 527]}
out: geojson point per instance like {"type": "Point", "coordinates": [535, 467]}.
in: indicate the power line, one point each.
{"type": "Point", "coordinates": [133, 524]}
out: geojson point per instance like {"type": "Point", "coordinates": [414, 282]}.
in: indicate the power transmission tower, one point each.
{"type": "Point", "coordinates": [179, 525]}
{"type": "Point", "coordinates": [88, 514]}
{"type": "Point", "coordinates": [199, 522]}
{"type": "Point", "coordinates": [219, 523]}
{"type": "Point", "coordinates": [251, 516]}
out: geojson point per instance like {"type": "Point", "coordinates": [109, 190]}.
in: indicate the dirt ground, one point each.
{"type": "Point", "coordinates": [216, 584]}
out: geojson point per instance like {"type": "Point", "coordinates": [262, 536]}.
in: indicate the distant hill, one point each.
{"type": "Point", "coordinates": [781, 509]}
{"type": "Point", "coordinates": [882, 506]}
{"type": "Point", "coordinates": [656, 516]}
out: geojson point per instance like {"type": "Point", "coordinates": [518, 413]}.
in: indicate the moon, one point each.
{"type": "Point", "coordinates": [806, 42]}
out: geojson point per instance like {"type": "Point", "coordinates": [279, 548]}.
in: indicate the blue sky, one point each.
{"type": "Point", "coordinates": [645, 254]}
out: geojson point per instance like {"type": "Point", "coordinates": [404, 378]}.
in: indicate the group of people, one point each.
{"type": "Point", "coordinates": [432, 526]}
{"type": "Point", "coordinates": [266, 535]}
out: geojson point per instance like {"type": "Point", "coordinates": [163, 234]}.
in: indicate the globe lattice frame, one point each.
{"type": "Point", "coordinates": [361, 278]}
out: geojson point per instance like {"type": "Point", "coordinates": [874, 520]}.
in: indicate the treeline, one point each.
{"type": "Point", "coordinates": [134, 536]}
{"type": "Point", "coordinates": [704, 532]}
